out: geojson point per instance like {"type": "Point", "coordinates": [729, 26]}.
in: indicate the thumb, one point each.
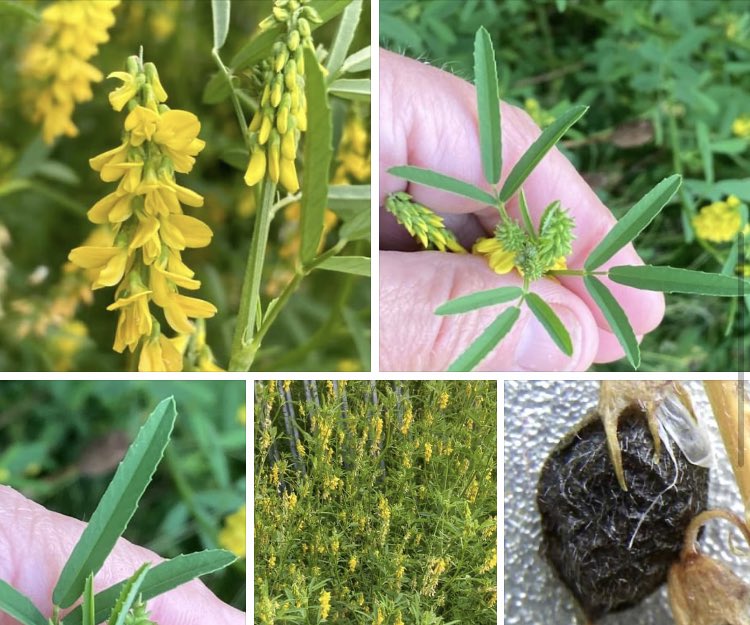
{"type": "Point", "coordinates": [413, 338]}
{"type": "Point", "coordinates": [35, 544]}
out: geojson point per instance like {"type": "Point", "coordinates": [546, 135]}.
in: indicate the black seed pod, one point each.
{"type": "Point", "coordinates": [612, 548]}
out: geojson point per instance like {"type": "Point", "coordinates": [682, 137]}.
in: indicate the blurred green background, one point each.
{"type": "Point", "coordinates": [61, 441]}
{"type": "Point", "coordinates": [666, 81]}
{"type": "Point", "coordinates": [326, 325]}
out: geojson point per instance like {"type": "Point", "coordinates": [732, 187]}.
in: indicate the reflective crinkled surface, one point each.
{"type": "Point", "coordinates": [537, 415]}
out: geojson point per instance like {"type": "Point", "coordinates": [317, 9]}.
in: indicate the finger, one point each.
{"type": "Point", "coordinates": [428, 119]}
{"type": "Point", "coordinates": [35, 544]}
{"type": "Point", "coordinates": [413, 338]}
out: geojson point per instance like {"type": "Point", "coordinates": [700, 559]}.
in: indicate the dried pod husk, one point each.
{"type": "Point", "coordinates": [612, 547]}
{"type": "Point", "coordinates": [703, 591]}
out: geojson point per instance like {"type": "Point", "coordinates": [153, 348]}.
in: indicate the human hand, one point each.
{"type": "Point", "coordinates": [428, 119]}
{"type": "Point", "coordinates": [35, 544]}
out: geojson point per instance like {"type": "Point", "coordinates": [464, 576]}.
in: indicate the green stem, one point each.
{"type": "Point", "coordinates": [242, 353]}
{"type": "Point", "coordinates": [288, 291]}
{"type": "Point", "coordinates": [235, 100]}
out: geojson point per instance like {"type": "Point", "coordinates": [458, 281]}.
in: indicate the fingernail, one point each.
{"type": "Point", "coordinates": [536, 351]}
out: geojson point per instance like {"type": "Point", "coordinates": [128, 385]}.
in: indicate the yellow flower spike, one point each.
{"type": "Point", "coordinates": [256, 169]}
{"type": "Point", "coordinates": [274, 146]}
{"type": "Point", "coordinates": [288, 175]}
{"type": "Point", "coordinates": [124, 93]}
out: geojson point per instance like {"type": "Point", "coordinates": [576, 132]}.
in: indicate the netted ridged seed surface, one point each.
{"type": "Point", "coordinates": [537, 415]}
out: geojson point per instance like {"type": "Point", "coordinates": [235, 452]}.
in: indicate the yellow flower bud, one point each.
{"type": "Point", "coordinates": [276, 93]}
{"type": "Point", "coordinates": [282, 119]}
{"type": "Point", "coordinates": [267, 23]}
{"type": "Point", "coordinates": [304, 27]}
{"type": "Point", "coordinates": [289, 145]}
{"type": "Point", "coordinates": [256, 169]}
{"type": "Point", "coordinates": [281, 59]}
{"type": "Point", "coordinates": [265, 129]}
{"type": "Point", "coordinates": [280, 14]}
{"type": "Point", "coordinates": [255, 123]}
{"type": "Point", "coordinates": [301, 118]}
{"type": "Point", "coordinates": [266, 96]}
{"type": "Point", "coordinates": [293, 40]}
{"type": "Point", "coordinates": [290, 75]}
{"type": "Point", "coordinates": [300, 59]}
{"type": "Point", "coordinates": [288, 175]}
{"type": "Point", "coordinates": [273, 157]}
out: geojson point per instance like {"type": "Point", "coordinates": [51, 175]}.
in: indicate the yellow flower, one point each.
{"type": "Point", "coordinates": [741, 126]}
{"type": "Point", "coordinates": [399, 620]}
{"type": "Point", "coordinates": [719, 222]}
{"type": "Point", "coordinates": [160, 354]}
{"type": "Point", "coordinates": [490, 563]}
{"type": "Point", "coordinates": [232, 536]}
{"type": "Point", "coordinates": [147, 225]}
{"type": "Point", "coordinates": [352, 564]}
{"type": "Point", "coordinates": [325, 604]}
{"type": "Point", "coordinates": [55, 66]}
{"type": "Point", "coordinates": [126, 92]}
{"type": "Point", "coordinates": [427, 452]}
{"type": "Point", "coordinates": [500, 260]}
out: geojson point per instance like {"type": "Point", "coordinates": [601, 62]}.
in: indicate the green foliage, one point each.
{"type": "Point", "coordinates": [670, 86]}
{"type": "Point", "coordinates": [61, 441]}
{"type": "Point", "coordinates": [381, 494]}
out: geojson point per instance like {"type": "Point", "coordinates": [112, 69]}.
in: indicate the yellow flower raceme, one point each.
{"type": "Point", "coordinates": [233, 536]}
{"type": "Point", "coordinates": [282, 115]}
{"type": "Point", "coordinates": [325, 604]}
{"type": "Point", "coordinates": [353, 153]}
{"type": "Point", "coordinates": [149, 230]}
{"type": "Point", "coordinates": [55, 65]}
{"type": "Point", "coordinates": [719, 222]}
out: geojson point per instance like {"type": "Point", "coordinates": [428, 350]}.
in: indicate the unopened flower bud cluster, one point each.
{"type": "Point", "coordinates": [282, 112]}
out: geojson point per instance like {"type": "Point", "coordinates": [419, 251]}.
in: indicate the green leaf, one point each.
{"type": "Point", "coordinates": [19, 606]}
{"type": "Point", "coordinates": [360, 61]}
{"type": "Point", "coordinates": [616, 317]}
{"type": "Point", "coordinates": [317, 158]}
{"type": "Point", "coordinates": [20, 9]}
{"type": "Point", "coordinates": [89, 603]}
{"type": "Point", "coordinates": [677, 280]}
{"type": "Point", "coordinates": [343, 39]}
{"type": "Point", "coordinates": [220, 11]}
{"type": "Point", "coordinates": [526, 216]}
{"type": "Point", "coordinates": [128, 596]}
{"type": "Point", "coordinates": [487, 341]}
{"type": "Point", "coordinates": [117, 505]}
{"type": "Point", "coordinates": [237, 157]}
{"type": "Point", "coordinates": [260, 47]}
{"type": "Point", "coordinates": [480, 299]}
{"type": "Point", "coordinates": [433, 179]}
{"type": "Point", "coordinates": [159, 579]}
{"type": "Point", "coordinates": [633, 222]}
{"type": "Point", "coordinates": [357, 265]}
{"type": "Point", "coordinates": [349, 200]}
{"type": "Point", "coordinates": [546, 141]}
{"type": "Point", "coordinates": [355, 89]}
{"type": "Point", "coordinates": [58, 172]}
{"type": "Point", "coordinates": [704, 147]}
{"type": "Point", "coordinates": [551, 322]}
{"type": "Point", "coordinates": [488, 106]}
{"type": "Point", "coordinates": [356, 227]}
{"type": "Point", "coordinates": [217, 89]}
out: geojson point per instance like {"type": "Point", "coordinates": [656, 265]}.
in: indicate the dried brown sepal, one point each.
{"type": "Point", "coordinates": [703, 591]}
{"type": "Point", "coordinates": [616, 396]}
